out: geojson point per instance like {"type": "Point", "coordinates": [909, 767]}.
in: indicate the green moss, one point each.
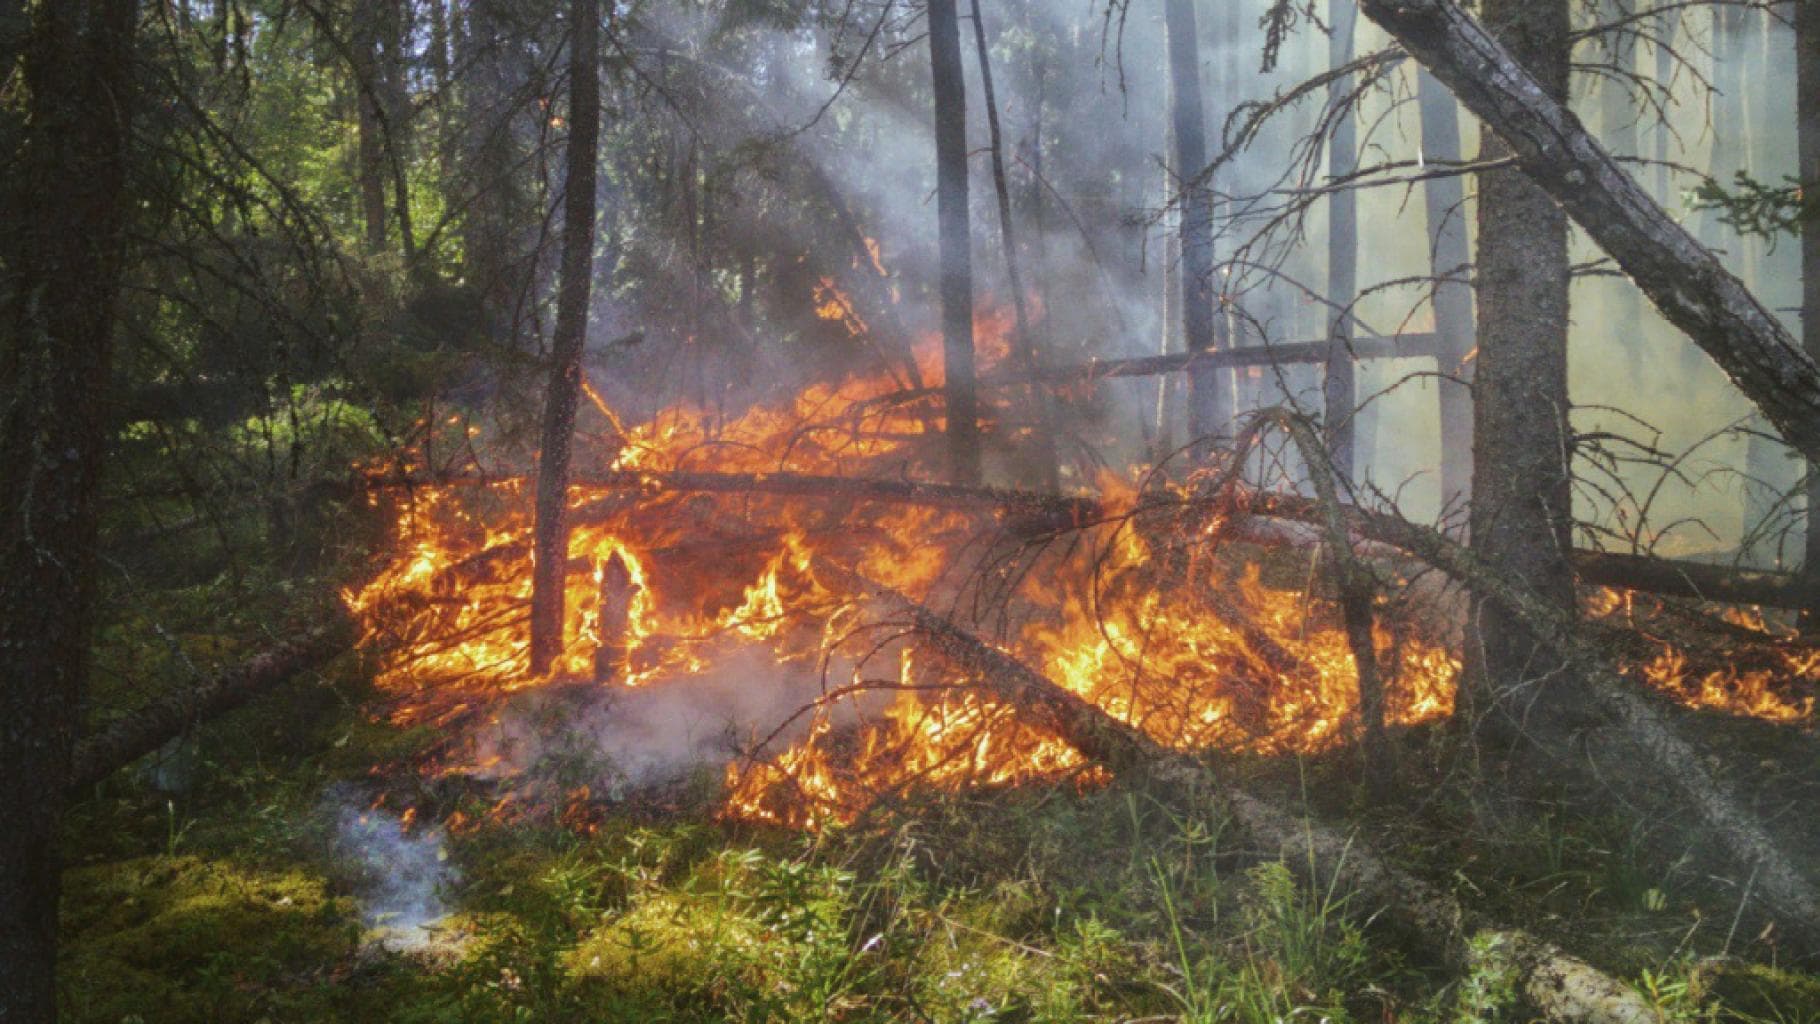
{"type": "Point", "coordinates": [189, 939]}
{"type": "Point", "coordinates": [673, 942]}
{"type": "Point", "coordinates": [1755, 992]}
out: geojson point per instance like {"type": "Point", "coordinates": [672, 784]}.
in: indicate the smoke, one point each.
{"type": "Point", "coordinates": [1083, 97]}
{"type": "Point", "coordinates": [616, 740]}
{"type": "Point", "coordinates": [399, 874]}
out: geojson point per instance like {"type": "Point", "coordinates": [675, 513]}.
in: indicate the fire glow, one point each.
{"type": "Point", "coordinates": [1197, 650]}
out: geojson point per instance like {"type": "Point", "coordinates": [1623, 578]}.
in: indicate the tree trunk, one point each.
{"type": "Point", "coordinates": [1450, 258]}
{"type": "Point", "coordinates": [956, 241]}
{"type": "Point", "coordinates": [490, 190]}
{"type": "Point", "coordinates": [1047, 469]}
{"type": "Point", "coordinates": [550, 544]}
{"type": "Point", "coordinates": [1807, 93]}
{"type": "Point", "coordinates": [1522, 443]}
{"type": "Point", "coordinates": [13, 25]}
{"type": "Point", "coordinates": [64, 259]}
{"type": "Point", "coordinates": [1209, 403]}
{"type": "Point", "coordinates": [1341, 386]}
{"type": "Point", "coordinates": [1668, 24]}
{"type": "Point", "coordinates": [439, 45]}
{"type": "Point", "coordinates": [1618, 117]}
{"type": "Point", "coordinates": [1682, 277]}
{"type": "Point", "coordinates": [364, 49]}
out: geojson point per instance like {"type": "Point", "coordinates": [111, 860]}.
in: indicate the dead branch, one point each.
{"type": "Point", "coordinates": [146, 729]}
{"type": "Point", "coordinates": [1564, 988]}
{"type": "Point", "coordinates": [1788, 895]}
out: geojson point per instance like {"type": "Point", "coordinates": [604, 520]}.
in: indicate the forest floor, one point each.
{"type": "Point", "coordinates": [269, 889]}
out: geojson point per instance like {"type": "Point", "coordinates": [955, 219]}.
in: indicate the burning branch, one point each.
{"type": "Point", "coordinates": [1564, 988]}
{"type": "Point", "coordinates": [1672, 758]}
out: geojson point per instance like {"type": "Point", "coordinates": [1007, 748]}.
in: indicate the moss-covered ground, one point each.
{"type": "Point", "coordinates": [234, 899]}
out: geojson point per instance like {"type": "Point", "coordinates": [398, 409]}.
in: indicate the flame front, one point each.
{"type": "Point", "coordinates": [1197, 649]}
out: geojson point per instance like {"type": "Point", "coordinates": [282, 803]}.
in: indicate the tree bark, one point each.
{"type": "Point", "coordinates": [1340, 389]}
{"type": "Point", "coordinates": [1209, 403]}
{"type": "Point", "coordinates": [1682, 277]}
{"type": "Point", "coordinates": [1807, 115]}
{"type": "Point", "coordinates": [551, 533]}
{"type": "Point", "coordinates": [1048, 469]}
{"type": "Point", "coordinates": [1450, 260]}
{"type": "Point", "coordinates": [364, 43]}
{"type": "Point", "coordinates": [1522, 513]}
{"type": "Point", "coordinates": [63, 226]}
{"type": "Point", "coordinates": [962, 403]}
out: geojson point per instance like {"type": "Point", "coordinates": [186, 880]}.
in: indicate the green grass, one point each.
{"type": "Point", "coordinates": [230, 902]}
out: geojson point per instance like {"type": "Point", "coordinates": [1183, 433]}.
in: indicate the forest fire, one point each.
{"type": "Point", "coordinates": [1193, 648]}
{"type": "Point", "coordinates": [1193, 652]}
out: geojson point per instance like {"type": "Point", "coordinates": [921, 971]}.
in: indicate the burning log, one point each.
{"type": "Point", "coordinates": [121, 743]}
{"type": "Point", "coordinates": [1563, 987]}
{"type": "Point", "coordinates": [616, 592]}
{"type": "Point", "coordinates": [1669, 577]}
{"type": "Point", "coordinates": [1697, 580]}
{"type": "Point", "coordinates": [1062, 511]}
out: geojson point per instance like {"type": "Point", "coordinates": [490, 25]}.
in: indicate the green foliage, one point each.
{"type": "Point", "coordinates": [1752, 207]}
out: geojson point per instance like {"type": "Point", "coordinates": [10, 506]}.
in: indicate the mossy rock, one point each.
{"type": "Point", "coordinates": [1755, 992]}
{"type": "Point", "coordinates": [182, 938]}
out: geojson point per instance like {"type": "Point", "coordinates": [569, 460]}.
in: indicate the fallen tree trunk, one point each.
{"type": "Point", "coordinates": [1669, 577]}
{"type": "Point", "coordinates": [1683, 278]}
{"type": "Point", "coordinates": [1562, 987]}
{"type": "Point", "coordinates": [1697, 580]}
{"type": "Point", "coordinates": [1402, 346]}
{"type": "Point", "coordinates": [1788, 896]}
{"type": "Point", "coordinates": [120, 743]}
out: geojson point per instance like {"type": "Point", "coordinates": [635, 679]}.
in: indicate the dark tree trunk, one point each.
{"type": "Point", "coordinates": [551, 534]}
{"type": "Point", "coordinates": [1209, 404]}
{"type": "Point", "coordinates": [1807, 115]}
{"type": "Point", "coordinates": [1047, 469]}
{"type": "Point", "coordinates": [364, 43]}
{"type": "Point", "coordinates": [12, 33]}
{"type": "Point", "coordinates": [1341, 386]}
{"type": "Point", "coordinates": [108, 750]}
{"type": "Point", "coordinates": [1682, 277]}
{"type": "Point", "coordinates": [1450, 257]}
{"type": "Point", "coordinates": [494, 259]}
{"type": "Point", "coordinates": [395, 103]}
{"type": "Point", "coordinates": [962, 399]}
{"type": "Point", "coordinates": [64, 233]}
{"type": "Point", "coordinates": [1522, 444]}
{"type": "Point", "coordinates": [439, 43]}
